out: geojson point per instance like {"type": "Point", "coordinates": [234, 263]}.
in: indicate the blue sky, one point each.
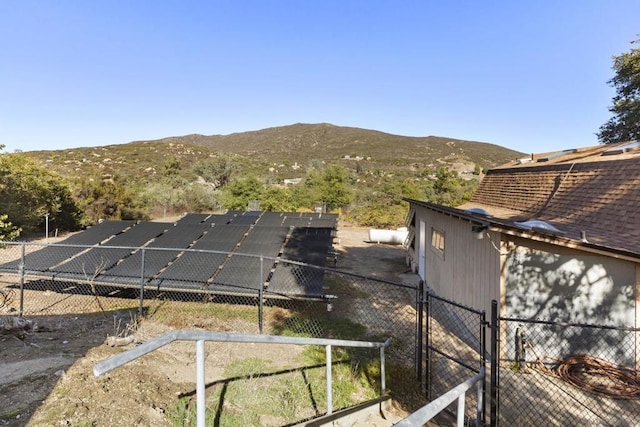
{"type": "Point", "coordinates": [531, 76]}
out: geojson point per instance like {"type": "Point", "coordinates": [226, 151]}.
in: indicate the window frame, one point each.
{"type": "Point", "coordinates": [438, 239]}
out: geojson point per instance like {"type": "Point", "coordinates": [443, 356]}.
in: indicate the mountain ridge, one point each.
{"type": "Point", "coordinates": [298, 143]}
{"type": "Point", "coordinates": [336, 142]}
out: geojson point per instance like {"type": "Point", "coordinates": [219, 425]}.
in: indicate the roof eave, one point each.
{"type": "Point", "coordinates": [495, 224]}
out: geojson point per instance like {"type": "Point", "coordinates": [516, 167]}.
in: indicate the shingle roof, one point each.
{"type": "Point", "coordinates": [578, 191]}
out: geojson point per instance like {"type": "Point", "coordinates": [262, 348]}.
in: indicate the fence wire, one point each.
{"type": "Point", "coordinates": [568, 374]}
{"type": "Point", "coordinates": [210, 290]}
{"type": "Point", "coordinates": [455, 349]}
{"type": "Point", "coordinates": [245, 293]}
{"type": "Point", "coordinates": [217, 291]}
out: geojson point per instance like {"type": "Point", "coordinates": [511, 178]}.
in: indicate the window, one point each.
{"type": "Point", "coordinates": [437, 241]}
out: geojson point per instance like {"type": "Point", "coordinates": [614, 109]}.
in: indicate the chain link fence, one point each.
{"type": "Point", "coordinates": [148, 289]}
{"type": "Point", "coordinates": [217, 291]}
{"type": "Point", "coordinates": [543, 373]}
{"type": "Point", "coordinates": [561, 374]}
{"type": "Point", "coordinates": [547, 373]}
{"type": "Point", "coordinates": [455, 350]}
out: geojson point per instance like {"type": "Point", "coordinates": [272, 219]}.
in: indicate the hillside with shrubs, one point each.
{"type": "Point", "coordinates": [361, 174]}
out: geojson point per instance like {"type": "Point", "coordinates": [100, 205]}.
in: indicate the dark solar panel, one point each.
{"type": "Point", "coordinates": [323, 223]}
{"type": "Point", "coordinates": [306, 254]}
{"type": "Point", "coordinates": [258, 248]}
{"type": "Point", "coordinates": [191, 269]}
{"type": "Point", "coordinates": [49, 256]}
{"type": "Point", "coordinates": [271, 219]}
{"type": "Point", "coordinates": [311, 220]}
{"type": "Point", "coordinates": [222, 238]}
{"type": "Point", "coordinates": [221, 219]}
{"type": "Point", "coordinates": [97, 233]}
{"type": "Point", "coordinates": [298, 280]}
{"type": "Point", "coordinates": [90, 264]}
{"type": "Point", "coordinates": [130, 269]}
{"type": "Point", "coordinates": [139, 234]}
{"type": "Point", "coordinates": [180, 236]}
{"type": "Point", "coordinates": [308, 245]}
{"type": "Point", "coordinates": [295, 222]}
{"type": "Point", "coordinates": [98, 260]}
{"type": "Point", "coordinates": [265, 241]}
{"type": "Point", "coordinates": [173, 254]}
{"type": "Point", "coordinates": [193, 218]}
{"type": "Point", "coordinates": [246, 219]}
{"type": "Point", "coordinates": [176, 237]}
{"type": "Point", "coordinates": [244, 272]}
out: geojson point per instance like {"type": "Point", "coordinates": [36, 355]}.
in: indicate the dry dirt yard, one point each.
{"type": "Point", "coordinates": [46, 379]}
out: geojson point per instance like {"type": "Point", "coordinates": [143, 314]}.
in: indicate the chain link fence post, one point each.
{"type": "Point", "coordinates": [483, 359]}
{"type": "Point", "coordinates": [495, 338]}
{"type": "Point", "coordinates": [21, 268]}
{"type": "Point", "coordinates": [141, 307]}
{"type": "Point", "coordinates": [427, 308]}
{"type": "Point", "coordinates": [260, 297]}
{"type": "Point", "coordinates": [419, 328]}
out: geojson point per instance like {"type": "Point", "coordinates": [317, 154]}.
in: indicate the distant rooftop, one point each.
{"type": "Point", "coordinates": [579, 155]}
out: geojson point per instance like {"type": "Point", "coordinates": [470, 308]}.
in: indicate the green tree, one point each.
{"type": "Point", "coordinates": [238, 193]}
{"type": "Point", "coordinates": [450, 189]}
{"type": "Point", "coordinates": [380, 215]}
{"type": "Point", "coordinates": [217, 171]}
{"type": "Point", "coordinates": [108, 199]}
{"type": "Point", "coordinates": [331, 185]}
{"type": "Point", "coordinates": [8, 231]}
{"type": "Point", "coordinates": [198, 198]}
{"type": "Point", "coordinates": [383, 206]}
{"type": "Point", "coordinates": [170, 198]}
{"type": "Point", "coordinates": [172, 167]}
{"type": "Point", "coordinates": [302, 196]}
{"type": "Point", "coordinates": [158, 195]}
{"type": "Point", "coordinates": [625, 123]}
{"type": "Point", "coordinates": [277, 199]}
{"type": "Point", "coordinates": [29, 192]}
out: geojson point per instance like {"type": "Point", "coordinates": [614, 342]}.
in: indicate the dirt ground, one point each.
{"type": "Point", "coordinates": [46, 379]}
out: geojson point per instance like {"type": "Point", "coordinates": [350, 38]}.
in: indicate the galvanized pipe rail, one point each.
{"type": "Point", "coordinates": [201, 336]}
{"type": "Point", "coordinates": [429, 411]}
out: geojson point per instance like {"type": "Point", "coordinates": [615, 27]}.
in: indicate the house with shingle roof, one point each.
{"type": "Point", "coordinates": [554, 236]}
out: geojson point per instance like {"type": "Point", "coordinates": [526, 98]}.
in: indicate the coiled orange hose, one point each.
{"type": "Point", "coordinates": [594, 374]}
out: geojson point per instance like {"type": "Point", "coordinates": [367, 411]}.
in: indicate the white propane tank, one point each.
{"type": "Point", "coordinates": [396, 237]}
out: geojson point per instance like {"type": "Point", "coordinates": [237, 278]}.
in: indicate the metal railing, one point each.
{"type": "Point", "coordinates": [201, 336]}
{"type": "Point", "coordinates": [430, 411]}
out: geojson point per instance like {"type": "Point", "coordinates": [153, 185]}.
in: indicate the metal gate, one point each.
{"type": "Point", "coordinates": [451, 348]}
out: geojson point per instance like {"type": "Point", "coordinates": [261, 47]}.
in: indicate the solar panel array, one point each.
{"type": "Point", "coordinates": [307, 245]}
{"type": "Point", "coordinates": [46, 259]}
{"type": "Point", "coordinates": [242, 252]}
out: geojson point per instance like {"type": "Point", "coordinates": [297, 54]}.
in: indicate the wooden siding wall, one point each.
{"type": "Point", "coordinates": [473, 272]}
{"type": "Point", "coordinates": [554, 283]}
{"type": "Point", "coordinates": [548, 282]}
{"type": "Point", "coordinates": [469, 273]}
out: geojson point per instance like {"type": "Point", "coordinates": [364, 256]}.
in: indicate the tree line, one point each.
{"type": "Point", "coordinates": [33, 198]}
